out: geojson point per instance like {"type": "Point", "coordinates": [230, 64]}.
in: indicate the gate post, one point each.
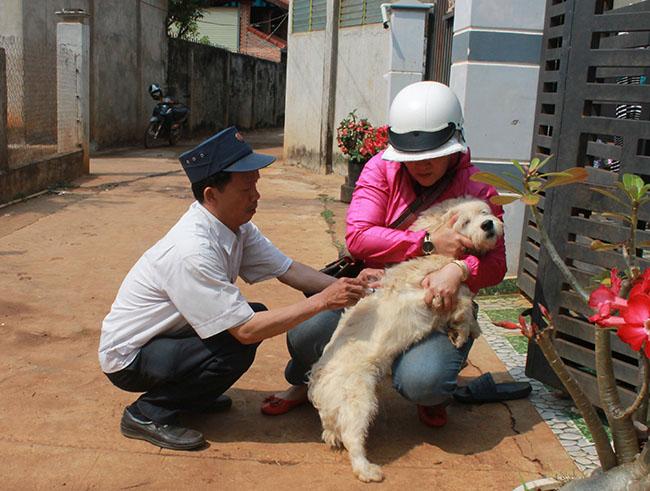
{"type": "Point", "coordinates": [406, 51]}
{"type": "Point", "coordinates": [73, 82]}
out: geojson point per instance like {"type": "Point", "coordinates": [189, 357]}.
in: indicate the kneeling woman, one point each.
{"type": "Point", "coordinates": [427, 160]}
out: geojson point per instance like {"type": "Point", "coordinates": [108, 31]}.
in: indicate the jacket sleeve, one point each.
{"type": "Point", "coordinates": [367, 235]}
{"type": "Point", "coordinates": [489, 269]}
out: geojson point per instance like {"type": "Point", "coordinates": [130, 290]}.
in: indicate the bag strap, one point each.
{"type": "Point", "coordinates": [425, 200]}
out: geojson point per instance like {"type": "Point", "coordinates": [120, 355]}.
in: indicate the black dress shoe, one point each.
{"type": "Point", "coordinates": [163, 435]}
{"type": "Point", "coordinates": [218, 405]}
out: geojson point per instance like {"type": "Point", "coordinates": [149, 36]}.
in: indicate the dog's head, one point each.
{"type": "Point", "coordinates": [474, 219]}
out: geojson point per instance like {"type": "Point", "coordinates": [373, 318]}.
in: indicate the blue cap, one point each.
{"type": "Point", "coordinates": [224, 152]}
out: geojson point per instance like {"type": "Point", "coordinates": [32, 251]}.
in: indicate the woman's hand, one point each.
{"type": "Point", "coordinates": [372, 277]}
{"type": "Point", "coordinates": [442, 287]}
{"type": "Point", "coordinates": [450, 243]}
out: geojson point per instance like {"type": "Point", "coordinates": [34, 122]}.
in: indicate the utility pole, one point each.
{"type": "Point", "coordinates": [328, 102]}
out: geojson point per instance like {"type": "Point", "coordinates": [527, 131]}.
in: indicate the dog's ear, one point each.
{"type": "Point", "coordinates": [449, 216]}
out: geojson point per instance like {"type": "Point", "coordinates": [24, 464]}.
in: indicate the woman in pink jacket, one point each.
{"type": "Point", "coordinates": [427, 157]}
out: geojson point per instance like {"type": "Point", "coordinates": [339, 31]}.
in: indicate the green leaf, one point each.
{"type": "Point", "coordinates": [516, 178]}
{"type": "Point", "coordinates": [610, 195]}
{"type": "Point", "coordinates": [503, 199]}
{"type": "Point", "coordinates": [519, 166]}
{"type": "Point", "coordinates": [569, 176]}
{"type": "Point", "coordinates": [494, 180]}
{"type": "Point", "coordinates": [530, 199]}
{"type": "Point", "coordinates": [633, 186]}
{"type": "Point", "coordinates": [617, 216]}
{"type": "Point", "coordinates": [597, 245]}
{"type": "Point", "coordinates": [536, 164]}
{"type": "Point", "coordinates": [535, 185]}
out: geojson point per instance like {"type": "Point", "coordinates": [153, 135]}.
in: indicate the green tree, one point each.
{"type": "Point", "coordinates": [182, 16]}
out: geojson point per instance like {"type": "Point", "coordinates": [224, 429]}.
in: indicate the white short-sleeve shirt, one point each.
{"type": "Point", "coordinates": [188, 277]}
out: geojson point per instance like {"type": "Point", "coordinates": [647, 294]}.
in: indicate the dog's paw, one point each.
{"type": "Point", "coordinates": [457, 338]}
{"type": "Point", "coordinates": [330, 438]}
{"type": "Point", "coordinates": [369, 473]}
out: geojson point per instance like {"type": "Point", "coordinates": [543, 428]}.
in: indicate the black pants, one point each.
{"type": "Point", "coordinates": [184, 372]}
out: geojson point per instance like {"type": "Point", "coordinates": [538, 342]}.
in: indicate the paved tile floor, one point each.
{"type": "Point", "coordinates": [560, 414]}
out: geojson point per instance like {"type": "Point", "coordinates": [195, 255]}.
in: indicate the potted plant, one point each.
{"type": "Point", "coordinates": [359, 141]}
{"type": "Point", "coordinates": [620, 303]}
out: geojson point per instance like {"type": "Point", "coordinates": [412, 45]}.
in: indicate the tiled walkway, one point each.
{"type": "Point", "coordinates": [559, 414]}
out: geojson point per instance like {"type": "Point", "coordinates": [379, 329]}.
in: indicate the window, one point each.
{"type": "Point", "coordinates": [360, 12]}
{"type": "Point", "coordinates": [309, 15]}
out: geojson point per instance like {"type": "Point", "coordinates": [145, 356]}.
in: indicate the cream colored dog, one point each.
{"type": "Point", "coordinates": [376, 330]}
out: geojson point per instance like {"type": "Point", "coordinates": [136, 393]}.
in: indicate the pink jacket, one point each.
{"type": "Point", "coordinates": [383, 191]}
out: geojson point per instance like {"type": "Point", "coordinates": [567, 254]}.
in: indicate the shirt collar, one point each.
{"type": "Point", "coordinates": [221, 233]}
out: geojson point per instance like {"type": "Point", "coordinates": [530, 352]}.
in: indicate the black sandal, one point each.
{"type": "Point", "coordinates": [484, 389]}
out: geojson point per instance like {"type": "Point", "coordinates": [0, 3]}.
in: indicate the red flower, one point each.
{"type": "Point", "coordinates": [606, 300]}
{"type": "Point", "coordinates": [641, 285]}
{"type": "Point", "coordinates": [636, 329]}
{"type": "Point", "coordinates": [528, 330]}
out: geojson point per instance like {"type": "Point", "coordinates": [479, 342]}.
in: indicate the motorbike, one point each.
{"type": "Point", "coordinates": [167, 120]}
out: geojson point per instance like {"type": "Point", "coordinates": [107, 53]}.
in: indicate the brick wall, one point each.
{"type": "Point", "coordinates": [250, 43]}
{"type": "Point", "coordinates": [255, 46]}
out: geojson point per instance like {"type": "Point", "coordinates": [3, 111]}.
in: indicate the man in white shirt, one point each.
{"type": "Point", "coordinates": [180, 330]}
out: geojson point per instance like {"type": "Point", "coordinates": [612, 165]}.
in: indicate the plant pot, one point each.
{"type": "Point", "coordinates": [544, 484]}
{"type": "Point", "coordinates": [354, 170]}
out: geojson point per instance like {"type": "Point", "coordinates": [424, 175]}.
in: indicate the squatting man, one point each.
{"type": "Point", "coordinates": [180, 331]}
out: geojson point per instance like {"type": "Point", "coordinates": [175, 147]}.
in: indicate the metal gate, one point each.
{"type": "Point", "coordinates": [592, 111]}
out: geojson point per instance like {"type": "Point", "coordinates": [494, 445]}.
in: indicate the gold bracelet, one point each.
{"type": "Point", "coordinates": [463, 267]}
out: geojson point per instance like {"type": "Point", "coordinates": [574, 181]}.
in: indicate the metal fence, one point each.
{"type": "Point", "coordinates": [592, 111]}
{"type": "Point", "coordinates": [31, 79]}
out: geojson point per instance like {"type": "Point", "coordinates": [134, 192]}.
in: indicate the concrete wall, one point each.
{"type": "Point", "coordinates": [128, 52]}
{"type": "Point", "coordinates": [495, 69]}
{"type": "Point", "coordinates": [224, 88]}
{"type": "Point", "coordinates": [360, 84]}
{"type": "Point", "coordinates": [37, 176]}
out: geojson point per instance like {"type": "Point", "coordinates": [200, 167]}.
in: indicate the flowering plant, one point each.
{"type": "Point", "coordinates": [358, 139]}
{"type": "Point", "coordinates": [621, 302]}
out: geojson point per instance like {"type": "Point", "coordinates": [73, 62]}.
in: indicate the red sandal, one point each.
{"type": "Point", "coordinates": [433, 416]}
{"type": "Point", "coordinates": [274, 406]}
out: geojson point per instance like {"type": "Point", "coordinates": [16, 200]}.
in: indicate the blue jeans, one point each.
{"type": "Point", "coordinates": [426, 373]}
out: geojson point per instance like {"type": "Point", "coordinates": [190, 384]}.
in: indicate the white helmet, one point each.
{"type": "Point", "coordinates": [425, 121]}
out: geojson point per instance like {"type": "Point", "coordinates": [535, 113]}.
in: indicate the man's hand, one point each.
{"type": "Point", "coordinates": [342, 293]}
{"type": "Point", "coordinates": [442, 287]}
{"type": "Point", "coordinates": [450, 243]}
{"type": "Point", "coordinates": [372, 277]}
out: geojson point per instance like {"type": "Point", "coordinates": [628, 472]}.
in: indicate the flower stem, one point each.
{"type": "Point", "coordinates": [642, 395]}
{"type": "Point", "coordinates": [623, 433]}
{"type": "Point", "coordinates": [603, 448]}
{"type": "Point", "coordinates": [555, 257]}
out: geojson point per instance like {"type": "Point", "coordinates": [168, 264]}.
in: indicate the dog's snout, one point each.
{"type": "Point", "coordinates": [487, 225]}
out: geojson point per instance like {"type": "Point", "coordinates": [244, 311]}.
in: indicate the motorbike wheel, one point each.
{"type": "Point", "coordinates": [150, 135]}
{"type": "Point", "coordinates": [175, 135]}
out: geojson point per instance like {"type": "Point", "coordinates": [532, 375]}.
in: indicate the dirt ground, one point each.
{"type": "Point", "coordinates": [63, 256]}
